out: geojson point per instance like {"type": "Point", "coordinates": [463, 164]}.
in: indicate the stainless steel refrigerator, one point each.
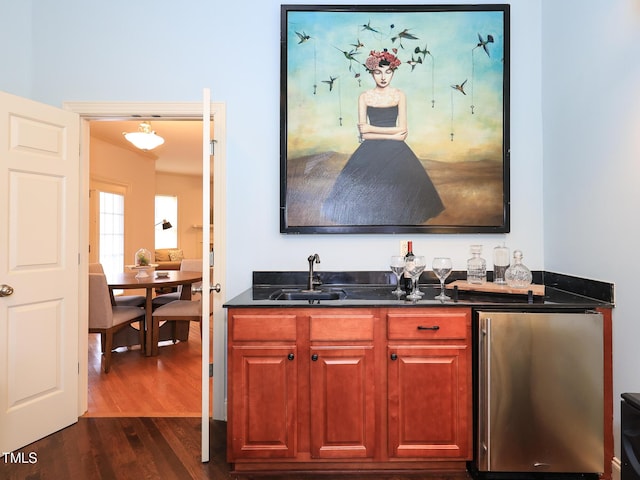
{"type": "Point", "coordinates": [540, 392]}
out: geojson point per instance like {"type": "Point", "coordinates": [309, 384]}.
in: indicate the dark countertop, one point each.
{"type": "Point", "coordinates": [373, 289]}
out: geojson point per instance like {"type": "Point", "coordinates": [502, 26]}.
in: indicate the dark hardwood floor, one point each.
{"type": "Point", "coordinates": [149, 448]}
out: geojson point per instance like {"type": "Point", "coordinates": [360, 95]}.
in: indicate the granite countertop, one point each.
{"type": "Point", "coordinates": [373, 289]}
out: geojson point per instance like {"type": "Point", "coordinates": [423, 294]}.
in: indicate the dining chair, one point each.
{"type": "Point", "coordinates": [187, 265]}
{"type": "Point", "coordinates": [175, 311]}
{"type": "Point", "coordinates": [107, 319]}
{"type": "Point", "coordinates": [119, 300]}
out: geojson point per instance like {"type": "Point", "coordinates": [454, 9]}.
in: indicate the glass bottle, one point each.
{"type": "Point", "coordinates": [500, 264]}
{"type": "Point", "coordinates": [407, 281]}
{"type": "Point", "coordinates": [518, 275]}
{"type": "Point", "coordinates": [476, 266]}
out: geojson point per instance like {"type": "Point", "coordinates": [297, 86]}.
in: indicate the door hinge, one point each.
{"type": "Point", "coordinates": [212, 145]}
{"type": "Point", "coordinates": [211, 370]}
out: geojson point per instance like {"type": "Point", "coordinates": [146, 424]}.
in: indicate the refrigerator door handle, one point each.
{"type": "Point", "coordinates": [484, 339]}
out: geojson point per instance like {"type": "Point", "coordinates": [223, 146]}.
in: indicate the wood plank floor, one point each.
{"type": "Point", "coordinates": [138, 386]}
{"type": "Point", "coordinates": [147, 448]}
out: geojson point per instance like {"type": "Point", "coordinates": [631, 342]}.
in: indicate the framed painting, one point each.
{"type": "Point", "coordinates": [394, 119]}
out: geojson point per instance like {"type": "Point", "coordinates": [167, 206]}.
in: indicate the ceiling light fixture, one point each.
{"type": "Point", "coordinates": [144, 138]}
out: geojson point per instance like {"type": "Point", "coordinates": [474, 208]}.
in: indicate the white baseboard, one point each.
{"type": "Point", "coordinates": [615, 468]}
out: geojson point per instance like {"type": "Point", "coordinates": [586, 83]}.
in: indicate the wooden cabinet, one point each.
{"type": "Point", "coordinates": [342, 393]}
{"type": "Point", "coordinates": [429, 372]}
{"type": "Point", "coordinates": [349, 388]}
{"type": "Point", "coordinates": [262, 420]}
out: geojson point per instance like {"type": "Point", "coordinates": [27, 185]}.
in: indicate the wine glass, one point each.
{"type": "Point", "coordinates": [397, 267]}
{"type": "Point", "coordinates": [442, 268]}
{"type": "Point", "coordinates": [414, 268]}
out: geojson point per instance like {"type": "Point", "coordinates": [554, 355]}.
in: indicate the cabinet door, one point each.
{"type": "Point", "coordinates": [429, 402]}
{"type": "Point", "coordinates": [342, 402]}
{"type": "Point", "coordinates": [263, 386]}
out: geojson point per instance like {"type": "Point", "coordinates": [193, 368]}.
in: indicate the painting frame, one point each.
{"type": "Point", "coordinates": [455, 63]}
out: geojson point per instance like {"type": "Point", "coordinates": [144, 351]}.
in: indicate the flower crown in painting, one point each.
{"type": "Point", "coordinates": [383, 57]}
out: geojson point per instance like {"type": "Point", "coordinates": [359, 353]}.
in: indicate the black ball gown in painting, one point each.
{"type": "Point", "coordinates": [383, 183]}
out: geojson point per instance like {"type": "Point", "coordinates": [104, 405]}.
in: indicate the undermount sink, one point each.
{"type": "Point", "coordinates": [300, 294]}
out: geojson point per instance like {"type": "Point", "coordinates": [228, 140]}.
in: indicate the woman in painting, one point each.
{"type": "Point", "coordinates": [383, 183]}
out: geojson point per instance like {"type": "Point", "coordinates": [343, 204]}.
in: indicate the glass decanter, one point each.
{"type": "Point", "coordinates": [518, 275]}
{"type": "Point", "coordinates": [476, 266]}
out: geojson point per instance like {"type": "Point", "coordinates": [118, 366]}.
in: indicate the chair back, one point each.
{"type": "Point", "coordinates": [100, 308]}
{"type": "Point", "coordinates": [96, 268]}
{"type": "Point", "coordinates": [190, 265]}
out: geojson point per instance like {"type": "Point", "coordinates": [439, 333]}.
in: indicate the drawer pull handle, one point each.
{"type": "Point", "coordinates": [434, 328]}
{"type": "Point", "coordinates": [394, 356]}
{"type": "Point", "coordinates": [291, 356]}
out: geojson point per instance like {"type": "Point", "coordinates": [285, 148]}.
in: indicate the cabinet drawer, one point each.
{"type": "Point", "coordinates": [429, 326]}
{"type": "Point", "coordinates": [341, 327]}
{"type": "Point", "coordinates": [255, 327]}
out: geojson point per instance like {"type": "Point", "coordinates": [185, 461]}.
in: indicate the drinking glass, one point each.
{"type": "Point", "coordinates": [397, 267]}
{"type": "Point", "coordinates": [414, 269]}
{"type": "Point", "coordinates": [442, 268]}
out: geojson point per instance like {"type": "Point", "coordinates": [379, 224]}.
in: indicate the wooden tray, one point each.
{"type": "Point", "coordinates": [490, 287]}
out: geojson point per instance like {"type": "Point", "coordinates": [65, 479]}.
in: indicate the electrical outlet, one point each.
{"type": "Point", "coordinates": [404, 246]}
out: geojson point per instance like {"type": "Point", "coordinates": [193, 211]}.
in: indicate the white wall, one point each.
{"type": "Point", "coordinates": [591, 112]}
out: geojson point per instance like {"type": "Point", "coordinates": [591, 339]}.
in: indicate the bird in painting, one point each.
{"type": "Point", "coordinates": [422, 51]}
{"type": "Point", "coordinates": [413, 62]}
{"type": "Point", "coordinates": [459, 87]}
{"type": "Point", "coordinates": [404, 34]}
{"type": "Point", "coordinates": [367, 26]}
{"type": "Point", "coordinates": [483, 43]}
{"type": "Point", "coordinates": [302, 37]}
{"type": "Point", "coordinates": [349, 55]}
{"type": "Point", "coordinates": [330, 82]}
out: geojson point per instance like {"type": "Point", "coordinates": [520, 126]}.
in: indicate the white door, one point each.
{"type": "Point", "coordinates": [206, 277]}
{"type": "Point", "coordinates": [213, 166]}
{"type": "Point", "coordinates": [39, 170]}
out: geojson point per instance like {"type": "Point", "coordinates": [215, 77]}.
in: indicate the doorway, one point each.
{"type": "Point", "coordinates": [151, 186]}
{"type": "Point", "coordinates": [90, 112]}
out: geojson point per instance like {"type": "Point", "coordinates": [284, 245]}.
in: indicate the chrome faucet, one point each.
{"type": "Point", "coordinates": [311, 282]}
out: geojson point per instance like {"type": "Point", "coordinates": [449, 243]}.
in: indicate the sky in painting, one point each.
{"type": "Point", "coordinates": [320, 118]}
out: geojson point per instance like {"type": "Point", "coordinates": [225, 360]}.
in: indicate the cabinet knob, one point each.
{"type": "Point", "coordinates": [314, 357]}
{"type": "Point", "coordinates": [291, 356]}
{"type": "Point", "coordinates": [394, 356]}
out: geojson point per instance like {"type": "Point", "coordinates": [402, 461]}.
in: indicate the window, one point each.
{"type": "Point", "coordinates": [166, 209]}
{"type": "Point", "coordinates": [111, 232]}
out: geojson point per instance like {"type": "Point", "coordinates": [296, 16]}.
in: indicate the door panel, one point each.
{"type": "Point", "coordinates": [264, 402]}
{"type": "Point", "coordinates": [342, 402]}
{"type": "Point", "coordinates": [39, 259]}
{"type": "Point", "coordinates": [426, 405]}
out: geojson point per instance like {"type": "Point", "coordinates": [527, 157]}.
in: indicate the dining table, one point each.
{"type": "Point", "coordinates": [154, 279]}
